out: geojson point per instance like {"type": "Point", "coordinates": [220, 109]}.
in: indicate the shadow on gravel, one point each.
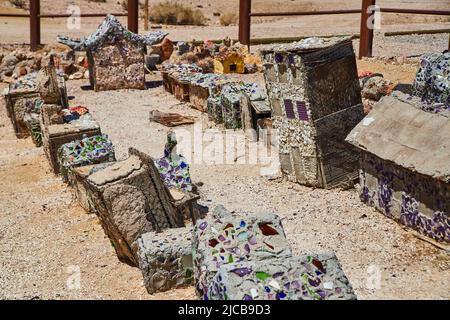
{"type": "Point", "coordinates": [153, 84]}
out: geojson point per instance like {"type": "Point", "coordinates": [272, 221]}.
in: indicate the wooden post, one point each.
{"type": "Point", "coordinates": [245, 8]}
{"type": "Point", "coordinates": [146, 15]}
{"type": "Point", "coordinates": [366, 33]}
{"type": "Point", "coordinates": [133, 15]}
{"type": "Point", "coordinates": [35, 24]}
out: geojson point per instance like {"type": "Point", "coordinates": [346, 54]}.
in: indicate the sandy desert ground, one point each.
{"type": "Point", "coordinates": [44, 233]}
{"type": "Point", "coordinates": [16, 30]}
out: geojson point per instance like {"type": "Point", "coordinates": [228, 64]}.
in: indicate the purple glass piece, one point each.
{"type": "Point", "coordinates": [203, 225]}
{"type": "Point", "coordinates": [291, 59]}
{"type": "Point", "coordinates": [241, 272]}
{"type": "Point", "coordinates": [278, 274]}
{"type": "Point", "coordinates": [221, 238]}
{"type": "Point", "coordinates": [289, 107]}
{"type": "Point", "coordinates": [278, 58]}
{"type": "Point", "coordinates": [252, 241]}
{"type": "Point", "coordinates": [280, 295]}
{"type": "Point", "coordinates": [302, 111]}
{"type": "Point", "coordinates": [247, 248]}
{"type": "Point", "coordinates": [295, 284]}
{"type": "Point", "coordinates": [322, 294]}
{"type": "Point", "coordinates": [314, 283]}
{"type": "Point", "coordinates": [247, 297]}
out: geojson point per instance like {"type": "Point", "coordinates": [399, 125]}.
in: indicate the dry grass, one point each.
{"type": "Point", "coordinates": [176, 13]}
{"type": "Point", "coordinates": [228, 18]}
{"type": "Point", "coordinates": [21, 4]}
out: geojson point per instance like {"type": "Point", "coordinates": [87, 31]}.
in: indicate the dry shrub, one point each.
{"type": "Point", "coordinates": [176, 13]}
{"type": "Point", "coordinates": [228, 19]}
{"type": "Point", "coordinates": [124, 4]}
{"type": "Point", "coordinates": [21, 4]}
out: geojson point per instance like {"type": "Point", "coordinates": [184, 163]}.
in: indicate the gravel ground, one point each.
{"type": "Point", "coordinates": [43, 231]}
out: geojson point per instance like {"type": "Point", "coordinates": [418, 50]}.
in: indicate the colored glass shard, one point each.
{"type": "Point", "coordinates": [261, 275]}
{"type": "Point", "coordinates": [213, 242]}
{"type": "Point", "coordinates": [267, 230]}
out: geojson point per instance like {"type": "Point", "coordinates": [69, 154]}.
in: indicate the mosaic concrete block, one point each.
{"type": "Point", "coordinates": [87, 151]}
{"type": "Point", "coordinates": [231, 107]}
{"type": "Point", "coordinates": [33, 123]}
{"type": "Point", "coordinates": [308, 277]}
{"type": "Point", "coordinates": [198, 97]}
{"type": "Point", "coordinates": [215, 110]}
{"type": "Point", "coordinates": [115, 55]}
{"type": "Point", "coordinates": [131, 199]}
{"type": "Point", "coordinates": [165, 259]}
{"type": "Point", "coordinates": [432, 83]}
{"type": "Point", "coordinates": [55, 135]}
{"type": "Point", "coordinates": [180, 85]}
{"type": "Point", "coordinates": [315, 99]}
{"type": "Point", "coordinates": [21, 103]}
{"type": "Point", "coordinates": [405, 167]}
{"type": "Point", "coordinates": [227, 239]}
{"type": "Point", "coordinates": [25, 97]}
{"type": "Point", "coordinates": [77, 180]}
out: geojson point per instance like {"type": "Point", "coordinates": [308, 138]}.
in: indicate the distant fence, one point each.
{"type": "Point", "coordinates": [367, 12]}
{"type": "Point", "coordinates": [35, 19]}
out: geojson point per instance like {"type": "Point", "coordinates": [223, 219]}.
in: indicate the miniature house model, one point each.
{"type": "Point", "coordinates": [229, 62]}
{"type": "Point", "coordinates": [315, 98]}
{"type": "Point", "coordinates": [115, 55]}
{"type": "Point", "coordinates": [405, 164]}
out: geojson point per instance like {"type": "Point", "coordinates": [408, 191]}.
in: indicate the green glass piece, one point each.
{"type": "Point", "coordinates": [261, 275]}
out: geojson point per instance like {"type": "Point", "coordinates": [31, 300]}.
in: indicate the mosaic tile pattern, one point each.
{"type": "Point", "coordinates": [417, 201]}
{"type": "Point", "coordinates": [165, 259]}
{"type": "Point", "coordinates": [309, 84]}
{"type": "Point", "coordinates": [173, 168]}
{"type": "Point", "coordinates": [432, 83]}
{"type": "Point", "coordinates": [87, 151]}
{"type": "Point", "coordinates": [227, 239]}
{"type": "Point", "coordinates": [308, 277]}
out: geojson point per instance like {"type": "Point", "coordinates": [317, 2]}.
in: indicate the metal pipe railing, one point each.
{"type": "Point", "coordinates": [367, 14]}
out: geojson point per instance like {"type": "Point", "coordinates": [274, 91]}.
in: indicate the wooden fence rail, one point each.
{"type": "Point", "coordinates": [367, 12]}
{"type": "Point", "coordinates": [35, 19]}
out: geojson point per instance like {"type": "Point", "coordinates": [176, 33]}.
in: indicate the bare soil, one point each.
{"type": "Point", "coordinates": [44, 232]}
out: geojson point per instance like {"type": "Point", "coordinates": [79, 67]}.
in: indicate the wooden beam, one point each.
{"type": "Point", "coordinates": [133, 16]}
{"type": "Point", "coordinates": [366, 31]}
{"type": "Point", "coordinates": [146, 15]}
{"type": "Point", "coordinates": [35, 24]}
{"type": "Point", "coordinates": [245, 8]}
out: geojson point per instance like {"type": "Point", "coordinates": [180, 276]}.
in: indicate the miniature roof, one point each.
{"type": "Point", "coordinates": [307, 45]}
{"type": "Point", "coordinates": [108, 30]}
{"type": "Point", "coordinates": [411, 138]}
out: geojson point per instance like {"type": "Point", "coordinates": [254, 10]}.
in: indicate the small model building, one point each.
{"type": "Point", "coordinates": [315, 98]}
{"type": "Point", "coordinates": [115, 55]}
{"type": "Point", "coordinates": [405, 166]}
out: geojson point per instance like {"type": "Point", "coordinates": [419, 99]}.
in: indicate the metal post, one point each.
{"type": "Point", "coordinates": [245, 8]}
{"type": "Point", "coordinates": [133, 15]}
{"type": "Point", "coordinates": [35, 24]}
{"type": "Point", "coordinates": [366, 33]}
{"type": "Point", "coordinates": [146, 15]}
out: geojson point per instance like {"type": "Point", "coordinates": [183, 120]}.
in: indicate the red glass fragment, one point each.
{"type": "Point", "coordinates": [267, 230]}
{"type": "Point", "coordinates": [213, 242]}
